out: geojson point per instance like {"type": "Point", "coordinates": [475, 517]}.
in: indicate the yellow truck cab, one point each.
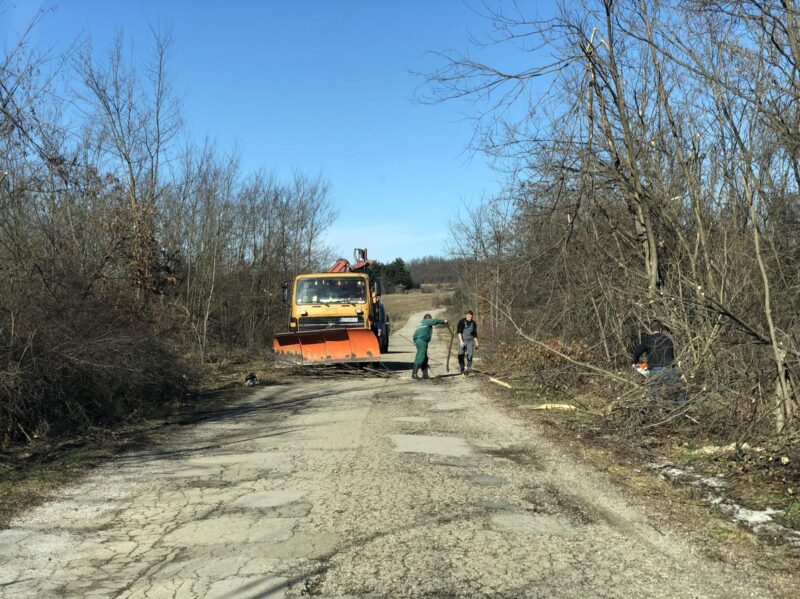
{"type": "Point", "coordinates": [328, 301]}
{"type": "Point", "coordinates": [334, 317]}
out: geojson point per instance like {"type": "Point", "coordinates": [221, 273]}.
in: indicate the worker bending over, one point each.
{"type": "Point", "coordinates": [422, 337]}
{"type": "Point", "coordinates": [664, 379]}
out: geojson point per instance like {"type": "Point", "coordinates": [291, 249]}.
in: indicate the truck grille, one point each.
{"type": "Point", "coordinates": [319, 323]}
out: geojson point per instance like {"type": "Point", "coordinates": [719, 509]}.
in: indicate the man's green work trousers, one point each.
{"type": "Point", "coordinates": [422, 337]}
{"type": "Point", "coordinates": [421, 359]}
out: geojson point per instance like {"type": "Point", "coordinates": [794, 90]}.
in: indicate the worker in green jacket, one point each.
{"type": "Point", "coordinates": [422, 337]}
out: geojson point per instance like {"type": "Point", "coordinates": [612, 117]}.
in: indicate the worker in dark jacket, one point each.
{"type": "Point", "coordinates": [381, 324]}
{"type": "Point", "coordinates": [660, 362]}
{"type": "Point", "coordinates": [422, 337]}
{"type": "Point", "coordinates": [467, 331]}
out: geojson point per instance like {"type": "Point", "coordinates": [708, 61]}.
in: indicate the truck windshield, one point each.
{"type": "Point", "coordinates": [331, 290]}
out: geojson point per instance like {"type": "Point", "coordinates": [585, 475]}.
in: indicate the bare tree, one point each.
{"type": "Point", "coordinates": [127, 251]}
{"type": "Point", "coordinates": [652, 161]}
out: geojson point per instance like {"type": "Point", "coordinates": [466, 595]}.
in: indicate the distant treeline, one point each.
{"type": "Point", "coordinates": [434, 270]}
{"type": "Point", "coordinates": [130, 254]}
{"type": "Point", "coordinates": [400, 274]}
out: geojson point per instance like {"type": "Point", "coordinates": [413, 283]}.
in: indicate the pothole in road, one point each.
{"type": "Point", "coordinates": [273, 504]}
{"type": "Point", "coordinates": [498, 506]}
{"type": "Point", "coordinates": [487, 480]}
{"type": "Point", "coordinates": [208, 483]}
{"type": "Point", "coordinates": [518, 455]}
{"type": "Point", "coordinates": [312, 586]}
{"type": "Point", "coordinates": [219, 483]}
{"type": "Point", "coordinates": [453, 463]}
{"type": "Point", "coordinates": [549, 499]}
{"type": "Point", "coordinates": [538, 524]}
{"type": "Point", "coordinates": [450, 406]}
{"type": "Point", "coordinates": [233, 529]}
{"type": "Point", "coordinates": [444, 446]}
{"type": "Point", "coordinates": [397, 395]}
{"type": "Point", "coordinates": [306, 545]}
{"type": "Point", "coordinates": [268, 499]}
{"type": "Point", "coordinates": [298, 509]}
{"type": "Point", "coordinates": [194, 471]}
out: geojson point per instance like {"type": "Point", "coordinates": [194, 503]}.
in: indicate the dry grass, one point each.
{"type": "Point", "coordinates": [231, 372]}
{"type": "Point", "coordinates": [401, 306]}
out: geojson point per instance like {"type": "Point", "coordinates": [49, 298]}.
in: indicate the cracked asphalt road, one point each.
{"type": "Point", "coordinates": [357, 486]}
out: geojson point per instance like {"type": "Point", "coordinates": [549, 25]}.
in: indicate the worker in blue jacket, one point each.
{"type": "Point", "coordinates": [422, 337]}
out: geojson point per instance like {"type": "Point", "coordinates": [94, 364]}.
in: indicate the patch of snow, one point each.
{"type": "Point", "coordinates": [713, 481]}
{"type": "Point", "coordinates": [725, 449]}
{"type": "Point", "coordinates": [674, 472]}
{"type": "Point", "coordinates": [756, 520]}
{"type": "Point", "coordinates": [752, 518]}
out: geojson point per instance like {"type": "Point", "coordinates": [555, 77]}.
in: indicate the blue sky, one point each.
{"type": "Point", "coordinates": [313, 86]}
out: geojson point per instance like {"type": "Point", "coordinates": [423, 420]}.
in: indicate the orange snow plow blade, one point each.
{"type": "Point", "coordinates": [331, 346]}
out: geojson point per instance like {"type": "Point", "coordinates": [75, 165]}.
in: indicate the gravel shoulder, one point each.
{"type": "Point", "coordinates": [359, 486]}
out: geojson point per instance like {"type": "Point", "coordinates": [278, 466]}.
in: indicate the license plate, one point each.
{"type": "Point", "coordinates": [348, 319]}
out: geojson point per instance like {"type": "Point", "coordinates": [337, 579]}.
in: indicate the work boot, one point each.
{"type": "Point", "coordinates": [425, 373]}
{"type": "Point", "coordinates": [414, 372]}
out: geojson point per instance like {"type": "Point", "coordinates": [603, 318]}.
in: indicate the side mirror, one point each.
{"type": "Point", "coordinates": [285, 287]}
{"type": "Point", "coordinates": [377, 288]}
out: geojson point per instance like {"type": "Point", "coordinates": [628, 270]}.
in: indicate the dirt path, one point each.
{"type": "Point", "coordinates": [356, 486]}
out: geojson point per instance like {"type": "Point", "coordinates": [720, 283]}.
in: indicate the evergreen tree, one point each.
{"type": "Point", "coordinates": [391, 275]}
